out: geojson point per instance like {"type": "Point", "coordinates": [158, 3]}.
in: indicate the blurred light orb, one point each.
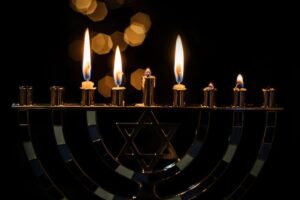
{"type": "Point", "coordinates": [142, 19]}
{"type": "Point", "coordinates": [102, 43]}
{"type": "Point", "coordinates": [118, 40]}
{"type": "Point", "coordinates": [133, 36]}
{"type": "Point", "coordinates": [81, 5]}
{"type": "Point", "coordinates": [75, 50]}
{"type": "Point", "coordinates": [104, 86]}
{"type": "Point", "coordinates": [136, 78]}
{"type": "Point", "coordinates": [99, 13]}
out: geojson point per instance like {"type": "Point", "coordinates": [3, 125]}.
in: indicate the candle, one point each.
{"type": "Point", "coordinates": [86, 63]}
{"type": "Point", "coordinates": [269, 96]}
{"type": "Point", "coordinates": [148, 86]}
{"type": "Point", "coordinates": [117, 92]}
{"type": "Point", "coordinates": [209, 97]}
{"type": "Point", "coordinates": [87, 86]}
{"type": "Point", "coordinates": [239, 92]}
{"type": "Point", "coordinates": [179, 89]}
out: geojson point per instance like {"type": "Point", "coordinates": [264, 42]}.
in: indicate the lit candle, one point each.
{"type": "Point", "coordinates": [86, 63]}
{"type": "Point", "coordinates": [87, 86]}
{"type": "Point", "coordinates": [117, 92]}
{"type": "Point", "coordinates": [209, 97]}
{"type": "Point", "coordinates": [179, 89]}
{"type": "Point", "coordinates": [148, 86]}
{"type": "Point", "coordinates": [239, 92]}
{"type": "Point", "coordinates": [269, 96]}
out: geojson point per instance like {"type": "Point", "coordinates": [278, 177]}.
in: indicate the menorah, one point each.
{"type": "Point", "coordinates": [131, 164]}
{"type": "Point", "coordinates": [144, 151]}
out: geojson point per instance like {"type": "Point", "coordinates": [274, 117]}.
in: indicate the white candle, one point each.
{"type": "Point", "coordinates": [86, 63]}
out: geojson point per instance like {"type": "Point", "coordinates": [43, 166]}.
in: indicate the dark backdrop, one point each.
{"type": "Point", "coordinates": [259, 41]}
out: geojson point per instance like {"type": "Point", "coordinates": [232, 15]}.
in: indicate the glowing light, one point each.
{"type": "Point", "coordinates": [102, 44]}
{"type": "Point", "coordinates": [118, 73]}
{"type": "Point", "coordinates": [179, 60]}
{"type": "Point", "coordinates": [239, 81]}
{"type": "Point", "coordinates": [86, 63]}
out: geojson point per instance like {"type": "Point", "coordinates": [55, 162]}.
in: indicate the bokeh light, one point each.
{"type": "Point", "coordinates": [101, 43]}
{"type": "Point", "coordinates": [142, 19]}
{"type": "Point", "coordinates": [136, 78]}
{"type": "Point", "coordinates": [134, 36]}
{"type": "Point", "coordinates": [104, 86]}
{"type": "Point", "coordinates": [100, 12]}
{"type": "Point", "coordinates": [92, 8]}
{"type": "Point", "coordinates": [81, 5]}
{"type": "Point", "coordinates": [118, 40]}
{"type": "Point", "coordinates": [75, 50]}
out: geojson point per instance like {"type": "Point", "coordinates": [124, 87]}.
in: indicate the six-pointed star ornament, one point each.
{"type": "Point", "coordinates": [164, 131]}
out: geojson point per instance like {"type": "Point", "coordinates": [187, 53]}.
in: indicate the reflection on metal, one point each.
{"type": "Point", "coordinates": [262, 156]}
{"type": "Point", "coordinates": [135, 78]}
{"type": "Point", "coordinates": [70, 161]}
{"type": "Point", "coordinates": [104, 86]}
{"type": "Point", "coordinates": [101, 44]}
{"type": "Point", "coordinates": [118, 40]}
{"type": "Point", "coordinates": [99, 13]}
{"type": "Point", "coordinates": [37, 167]}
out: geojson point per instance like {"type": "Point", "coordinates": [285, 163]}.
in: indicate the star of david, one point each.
{"type": "Point", "coordinates": [130, 130]}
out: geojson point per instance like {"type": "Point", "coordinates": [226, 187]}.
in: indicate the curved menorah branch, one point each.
{"type": "Point", "coordinates": [262, 156]}
{"type": "Point", "coordinates": [202, 186]}
{"type": "Point", "coordinates": [37, 167]}
{"type": "Point", "coordinates": [74, 167]}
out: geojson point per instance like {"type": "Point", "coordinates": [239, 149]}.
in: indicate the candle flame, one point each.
{"type": "Point", "coordinates": [118, 67]}
{"type": "Point", "coordinates": [239, 81]}
{"type": "Point", "coordinates": [148, 72]}
{"type": "Point", "coordinates": [179, 60]}
{"type": "Point", "coordinates": [86, 63]}
{"type": "Point", "coordinates": [211, 86]}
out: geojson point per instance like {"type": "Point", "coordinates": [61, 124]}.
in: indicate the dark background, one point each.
{"type": "Point", "coordinates": [259, 41]}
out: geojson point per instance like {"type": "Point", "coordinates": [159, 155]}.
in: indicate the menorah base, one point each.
{"type": "Point", "coordinates": [85, 132]}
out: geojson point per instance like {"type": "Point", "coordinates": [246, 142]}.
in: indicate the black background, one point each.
{"type": "Point", "coordinates": [259, 41]}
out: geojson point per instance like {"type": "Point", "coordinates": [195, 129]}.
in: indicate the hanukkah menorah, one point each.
{"type": "Point", "coordinates": [147, 156]}
{"type": "Point", "coordinates": [115, 151]}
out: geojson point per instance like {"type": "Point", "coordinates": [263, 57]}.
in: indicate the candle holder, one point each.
{"type": "Point", "coordinates": [239, 96]}
{"type": "Point", "coordinates": [87, 97]}
{"type": "Point", "coordinates": [56, 93]}
{"type": "Point", "coordinates": [179, 98]}
{"type": "Point", "coordinates": [269, 97]}
{"type": "Point", "coordinates": [131, 167]}
{"type": "Point", "coordinates": [25, 95]}
{"type": "Point", "coordinates": [117, 96]}
{"type": "Point", "coordinates": [209, 96]}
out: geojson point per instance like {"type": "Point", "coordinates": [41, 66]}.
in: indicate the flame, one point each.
{"type": "Point", "coordinates": [148, 72]}
{"type": "Point", "coordinates": [211, 86]}
{"type": "Point", "coordinates": [118, 67]}
{"type": "Point", "coordinates": [86, 63]}
{"type": "Point", "coordinates": [179, 61]}
{"type": "Point", "coordinates": [239, 81]}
